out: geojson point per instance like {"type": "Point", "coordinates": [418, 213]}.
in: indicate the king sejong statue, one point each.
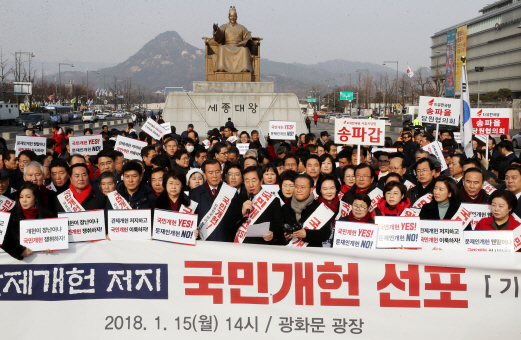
{"type": "Point", "coordinates": [233, 56]}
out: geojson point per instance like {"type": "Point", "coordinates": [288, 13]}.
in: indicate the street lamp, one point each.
{"type": "Point", "coordinates": [479, 69]}
{"type": "Point", "coordinates": [17, 55]}
{"type": "Point", "coordinates": [60, 76]}
{"type": "Point", "coordinates": [392, 62]}
{"type": "Point", "coordinates": [97, 72]}
{"type": "Point", "coordinates": [359, 71]}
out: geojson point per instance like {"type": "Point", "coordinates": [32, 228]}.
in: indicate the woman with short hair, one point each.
{"type": "Point", "coordinates": [394, 202]}
{"type": "Point", "coordinates": [503, 203]}
{"type": "Point", "coordinates": [359, 210]}
{"type": "Point", "coordinates": [446, 200]}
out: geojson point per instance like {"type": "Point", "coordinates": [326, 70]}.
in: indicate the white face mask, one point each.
{"type": "Point", "coordinates": [190, 148]}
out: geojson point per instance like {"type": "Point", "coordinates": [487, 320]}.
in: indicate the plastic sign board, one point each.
{"type": "Point", "coordinates": [438, 110]}
{"type": "Point", "coordinates": [490, 121]}
{"type": "Point", "coordinates": [282, 129]}
{"type": "Point", "coordinates": [359, 131]}
{"type": "Point", "coordinates": [131, 148]}
{"type": "Point", "coordinates": [43, 234]}
{"type": "Point", "coordinates": [36, 144]}
{"type": "Point", "coordinates": [4, 221]}
{"type": "Point", "coordinates": [435, 149]}
{"type": "Point", "coordinates": [398, 232]}
{"type": "Point", "coordinates": [346, 95]}
{"type": "Point", "coordinates": [86, 145]}
{"type": "Point", "coordinates": [442, 235]}
{"type": "Point", "coordinates": [86, 226]}
{"type": "Point", "coordinates": [171, 226]}
{"type": "Point", "coordinates": [129, 224]}
{"type": "Point", "coordinates": [489, 240]}
{"type": "Point", "coordinates": [478, 211]}
{"type": "Point", "coordinates": [355, 235]}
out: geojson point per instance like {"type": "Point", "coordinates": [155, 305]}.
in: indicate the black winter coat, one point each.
{"type": "Point", "coordinates": [313, 237]}
{"type": "Point", "coordinates": [430, 211]}
{"type": "Point", "coordinates": [348, 196]}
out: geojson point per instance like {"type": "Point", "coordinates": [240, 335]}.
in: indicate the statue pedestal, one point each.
{"type": "Point", "coordinates": [233, 77]}
{"type": "Point", "coordinates": [250, 105]}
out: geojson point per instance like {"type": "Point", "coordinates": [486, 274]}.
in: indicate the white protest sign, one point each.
{"type": "Point", "coordinates": [411, 212]}
{"type": "Point", "coordinates": [442, 235]}
{"type": "Point", "coordinates": [232, 139]}
{"type": "Point", "coordinates": [174, 227]}
{"type": "Point", "coordinates": [86, 226]}
{"type": "Point", "coordinates": [435, 150]}
{"type": "Point", "coordinates": [243, 147]}
{"type": "Point", "coordinates": [153, 129]}
{"type": "Point", "coordinates": [131, 148]}
{"type": "Point", "coordinates": [271, 188]}
{"type": "Point", "coordinates": [282, 129]}
{"type": "Point", "coordinates": [4, 220]}
{"type": "Point", "coordinates": [490, 121]}
{"type": "Point", "coordinates": [457, 137]}
{"type": "Point", "coordinates": [516, 235]}
{"type": "Point", "coordinates": [262, 140]}
{"type": "Point", "coordinates": [206, 143]}
{"type": "Point", "coordinates": [359, 131]}
{"type": "Point", "coordinates": [397, 232]}
{"type": "Point", "coordinates": [482, 138]}
{"type": "Point", "coordinates": [129, 224]}
{"type": "Point", "coordinates": [488, 188]}
{"type": "Point", "coordinates": [355, 235]}
{"type": "Point", "coordinates": [86, 145]}
{"type": "Point", "coordinates": [438, 110]}
{"type": "Point", "coordinates": [36, 144]}
{"type": "Point", "coordinates": [166, 126]}
{"type": "Point", "coordinates": [375, 195]}
{"type": "Point", "coordinates": [478, 212]}
{"type": "Point", "coordinates": [489, 240]}
{"type": "Point", "coordinates": [43, 234]}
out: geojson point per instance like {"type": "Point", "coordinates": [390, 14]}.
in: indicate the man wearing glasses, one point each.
{"type": "Point", "coordinates": [364, 178]}
{"type": "Point", "coordinates": [383, 165]}
{"type": "Point", "coordinates": [425, 172]}
{"type": "Point", "coordinates": [221, 153]}
{"type": "Point", "coordinates": [409, 147]}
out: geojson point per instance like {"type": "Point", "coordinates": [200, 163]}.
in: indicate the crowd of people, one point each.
{"type": "Point", "coordinates": [300, 187]}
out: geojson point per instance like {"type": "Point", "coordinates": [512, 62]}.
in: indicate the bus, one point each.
{"type": "Point", "coordinates": [59, 114]}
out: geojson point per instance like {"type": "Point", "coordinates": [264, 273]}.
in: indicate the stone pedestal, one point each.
{"type": "Point", "coordinates": [250, 105]}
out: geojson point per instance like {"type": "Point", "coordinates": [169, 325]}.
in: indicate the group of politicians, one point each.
{"type": "Point", "coordinates": [300, 187]}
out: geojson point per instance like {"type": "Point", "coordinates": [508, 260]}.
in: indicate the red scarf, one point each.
{"type": "Point", "coordinates": [468, 199]}
{"type": "Point", "coordinates": [352, 217]}
{"type": "Point", "coordinates": [174, 206]}
{"type": "Point", "coordinates": [30, 214]}
{"type": "Point", "coordinates": [384, 207]}
{"type": "Point", "coordinates": [80, 197]}
{"type": "Point", "coordinates": [357, 191]}
{"type": "Point", "coordinates": [345, 188]}
{"type": "Point", "coordinates": [333, 205]}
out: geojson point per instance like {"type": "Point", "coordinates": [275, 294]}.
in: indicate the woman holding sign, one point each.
{"type": "Point", "coordinates": [173, 197]}
{"type": "Point", "coordinates": [503, 203]}
{"type": "Point", "coordinates": [394, 202]}
{"type": "Point", "coordinates": [28, 206]}
{"type": "Point", "coordinates": [446, 202]}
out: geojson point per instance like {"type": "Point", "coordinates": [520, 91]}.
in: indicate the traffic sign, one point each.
{"type": "Point", "coordinates": [346, 95]}
{"type": "Point", "coordinates": [312, 100]}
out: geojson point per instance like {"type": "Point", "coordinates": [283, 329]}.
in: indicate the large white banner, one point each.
{"type": "Point", "coordinates": [36, 144]}
{"type": "Point", "coordinates": [86, 145]}
{"type": "Point", "coordinates": [359, 131]}
{"type": "Point", "coordinates": [160, 290]}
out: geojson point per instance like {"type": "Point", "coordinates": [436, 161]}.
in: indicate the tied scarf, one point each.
{"type": "Point", "coordinates": [468, 199]}
{"type": "Point", "coordinates": [333, 205]}
{"type": "Point", "coordinates": [357, 191]}
{"type": "Point", "coordinates": [386, 211]}
{"type": "Point", "coordinates": [345, 188]}
{"type": "Point", "coordinates": [298, 206]}
{"type": "Point", "coordinates": [352, 217]}
{"type": "Point", "coordinates": [80, 197]}
{"type": "Point", "coordinates": [174, 206]}
{"type": "Point", "coordinates": [30, 214]}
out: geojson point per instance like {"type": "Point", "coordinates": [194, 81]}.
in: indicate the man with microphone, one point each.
{"type": "Point", "coordinates": [260, 207]}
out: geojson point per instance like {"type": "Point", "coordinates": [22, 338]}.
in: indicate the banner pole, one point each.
{"type": "Point", "coordinates": [358, 159]}
{"type": "Point", "coordinates": [437, 128]}
{"type": "Point", "coordinates": [487, 150]}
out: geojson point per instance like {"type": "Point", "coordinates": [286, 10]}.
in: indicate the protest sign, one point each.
{"type": "Point", "coordinates": [153, 129]}
{"type": "Point", "coordinates": [43, 234]}
{"type": "Point", "coordinates": [388, 150]}
{"type": "Point", "coordinates": [271, 188]}
{"type": "Point", "coordinates": [166, 126]}
{"type": "Point", "coordinates": [355, 235]}
{"type": "Point", "coordinates": [442, 235]}
{"type": "Point", "coordinates": [6, 204]}
{"type": "Point", "coordinates": [131, 148]}
{"type": "Point", "coordinates": [478, 211]}
{"type": "Point", "coordinates": [129, 224]}
{"type": "Point", "coordinates": [516, 235]}
{"type": "Point", "coordinates": [174, 227]}
{"type": "Point", "coordinates": [359, 131]}
{"type": "Point", "coordinates": [398, 232]}
{"type": "Point", "coordinates": [488, 188]}
{"type": "Point", "coordinates": [435, 150]}
{"type": "Point", "coordinates": [282, 129]}
{"type": "Point", "coordinates": [232, 139]}
{"type": "Point", "coordinates": [457, 137]}
{"type": "Point", "coordinates": [36, 144]}
{"type": "Point", "coordinates": [438, 110]}
{"type": "Point", "coordinates": [86, 226]}
{"type": "Point", "coordinates": [206, 143]}
{"type": "Point", "coordinates": [243, 147]}
{"type": "Point", "coordinates": [410, 212]}
{"type": "Point", "coordinates": [86, 145]}
{"type": "Point", "coordinates": [375, 196]}
{"type": "Point", "coordinates": [489, 240]}
{"type": "Point", "coordinates": [490, 121]}
{"type": "Point", "coordinates": [4, 221]}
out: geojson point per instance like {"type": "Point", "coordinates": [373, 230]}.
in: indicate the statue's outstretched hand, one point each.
{"type": "Point", "coordinates": [215, 27]}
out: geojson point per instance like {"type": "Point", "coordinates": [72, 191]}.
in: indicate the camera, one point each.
{"type": "Point", "coordinates": [291, 228]}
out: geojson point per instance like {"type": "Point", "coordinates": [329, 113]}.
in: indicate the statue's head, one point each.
{"type": "Point", "coordinates": [232, 15]}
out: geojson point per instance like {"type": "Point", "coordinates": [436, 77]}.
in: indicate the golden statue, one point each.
{"type": "Point", "coordinates": [232, 54]}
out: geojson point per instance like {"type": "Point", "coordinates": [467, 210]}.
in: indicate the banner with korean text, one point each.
{"type": "Point", "coordinates": [450, 64]}
{"type": "Point", "coordinates": [147, 289]}
{"type": "Point", "coordinates": [490, 121]}
{"type": "Point", "coordinates": [86, 145]}
{"type": "Point", "coordinates": [359, 131]}
{"type": "Point", "coordinates": [36, 144]}
{"type": "Point", "coordinates": [131, 148]}
{"type": "Point", "coordinates": [439, 110]}
{"type": "Point", "coordinates": [282, 129]}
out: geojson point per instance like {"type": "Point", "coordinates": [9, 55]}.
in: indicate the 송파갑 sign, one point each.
{"type": "Point", "coordinates": [359, 131]}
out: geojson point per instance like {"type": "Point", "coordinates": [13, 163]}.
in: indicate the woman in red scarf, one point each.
{"type": "Point", "coordinates": [394, 202]}
{"type": "Point", "coordinates": [347, 178]}
{"type": "Point", "coordinates": [28, 206]}
{"type": "Point", "coordinates": [359, 210]}
{"type": "Point", "coordinates": [328, 189]}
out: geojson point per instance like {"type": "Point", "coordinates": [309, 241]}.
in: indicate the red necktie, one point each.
{"type": "Point", "coordinates": [214, 191]}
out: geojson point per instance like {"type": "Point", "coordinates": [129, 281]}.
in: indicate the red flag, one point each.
{"type": "Point", "coordinates": [51, 97]}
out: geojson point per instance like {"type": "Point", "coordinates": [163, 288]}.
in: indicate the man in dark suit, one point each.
{"type": "Point", "coordinates": [506, 148]}
{"type": "Point", "coordinates": [513, 183]}
{"type": "Point", "coordinates": [205, 196]}
{"type": "Point", "coordinates": [409, 147]}
{"type": "Point", "coordinates": [493, 151]}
